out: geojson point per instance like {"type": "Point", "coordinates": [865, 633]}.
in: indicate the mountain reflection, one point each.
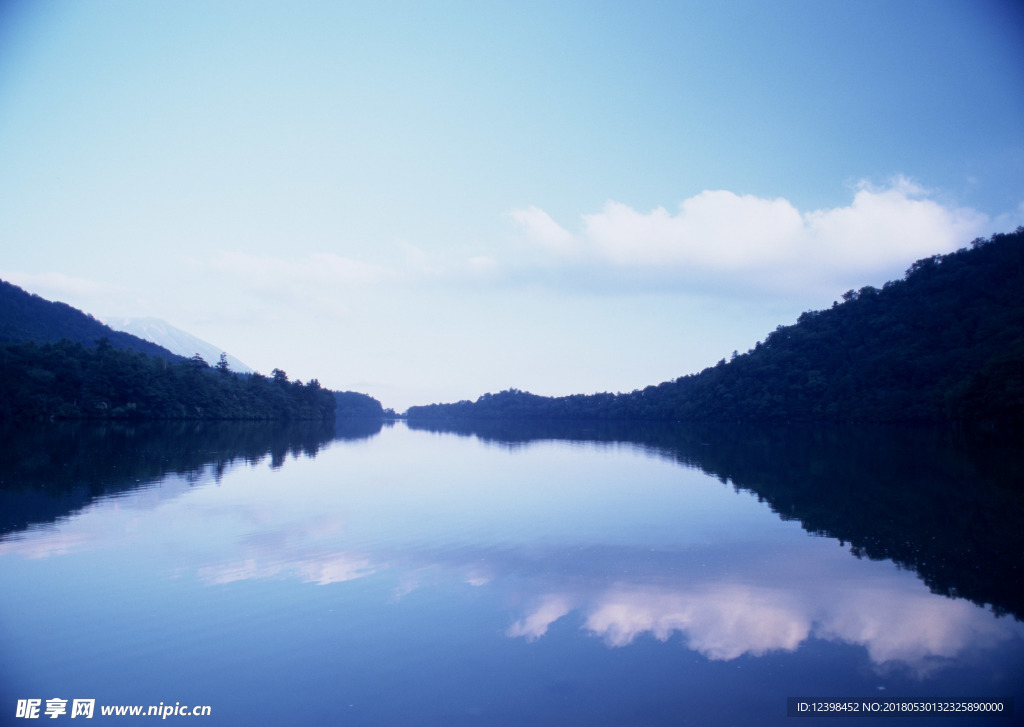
{"type": "Point", "coordinates": [360, 513]}
{"type": "Point", "coordinates": [50, 471]}
{"type": "Point", "coordinates": [943, 502]}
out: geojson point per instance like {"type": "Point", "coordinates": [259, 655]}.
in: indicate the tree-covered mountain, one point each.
{"type": "Point", "coordinates": [27, 317]}
{"type": "Point", "coordinates": [57, 362]}
{"type": "Point", "coordinates": [353, 405]}
{"type": "Point", "coordinates": [944, 343]}
{"type": "Point", "coordinates": [66, 380]}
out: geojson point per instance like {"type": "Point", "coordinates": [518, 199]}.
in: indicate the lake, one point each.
{"type": "Point", "coordinates": [504, 574]}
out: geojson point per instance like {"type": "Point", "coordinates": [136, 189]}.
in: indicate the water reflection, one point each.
{"type": "Point", "coordinates": [50, 471]}
{"type": "Point", "coordinates": [621, 545]}
{"type": "Point", "coordinates": [944, 502]}
{"type": "Point", "coordinates": [752, 612]}
{"type": "Point", "coordinates": [299, 550]}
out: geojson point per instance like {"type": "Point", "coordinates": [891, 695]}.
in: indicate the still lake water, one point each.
{"type": "Point", "coordinates": [550, 575]}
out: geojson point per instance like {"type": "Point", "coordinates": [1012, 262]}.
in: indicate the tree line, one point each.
{"type": "Point", "coordinates": [57, 362]}
{"type": "Point", "coordinates": [68, 380]}
{"type": "Point", "coordinates": [944, 343]}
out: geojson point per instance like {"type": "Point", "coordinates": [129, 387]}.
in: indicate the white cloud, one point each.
{"type": "Point", "coordinates": [716, 230]}
{"type": "Point", "coordinates": [719, 238]}
{"type": "Point", "coordinates": [890, 225]}
{"type": "Point", "coordinates": [540, 229]}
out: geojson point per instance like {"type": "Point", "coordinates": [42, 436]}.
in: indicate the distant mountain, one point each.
{"type": "Point", "coordinates": [27, 317]}
{"type": "Point", "coordinates": [945, 343]}
{"type": "Point", "coordinates": [175, 340]}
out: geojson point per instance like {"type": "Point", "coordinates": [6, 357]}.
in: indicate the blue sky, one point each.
{"type": "Point", "coordinates": [428, 201]}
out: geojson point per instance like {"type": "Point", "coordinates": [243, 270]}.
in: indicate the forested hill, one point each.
{"type": "Point", "coordinates": [944, 343]}
{"type": "Point", "coordinates": [353, 405]}
{"type": "Point", "coordinates": [66, 380]}
{"type": "Point", "coordinates": [59, 363]}
{"type": "Point", "coordinates": [27, 317]}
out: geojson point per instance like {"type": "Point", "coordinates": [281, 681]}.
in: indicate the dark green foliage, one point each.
{"type": "Point", "coordinates": [59, 363]}
{"type": "Point", "coordinates": [66, 380]}
{"type": "Point", "coordinates": [944, 343]}
{"type": "Point", "coordinates": [351, 405]}
{"type": "Point", "coordinates": [27, 317]}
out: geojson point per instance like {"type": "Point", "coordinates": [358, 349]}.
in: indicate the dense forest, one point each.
{"type": "Point", "coordinates": [57, 362]}
{"type": "Point", "coordinates": [66, 380]}
{"type": "Point", "coordinates": [945, 343]}
{"type": "Point", "coordinates": [352, 405]}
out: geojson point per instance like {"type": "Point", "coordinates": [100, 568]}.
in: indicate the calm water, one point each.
{"type": "Point", "coordinates": [508, 576]}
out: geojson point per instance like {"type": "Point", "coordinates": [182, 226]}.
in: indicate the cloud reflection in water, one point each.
{"type": "Point", "coordinates": [895, 619]}
{"type": "Point", "coordinates": [741, 590]}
